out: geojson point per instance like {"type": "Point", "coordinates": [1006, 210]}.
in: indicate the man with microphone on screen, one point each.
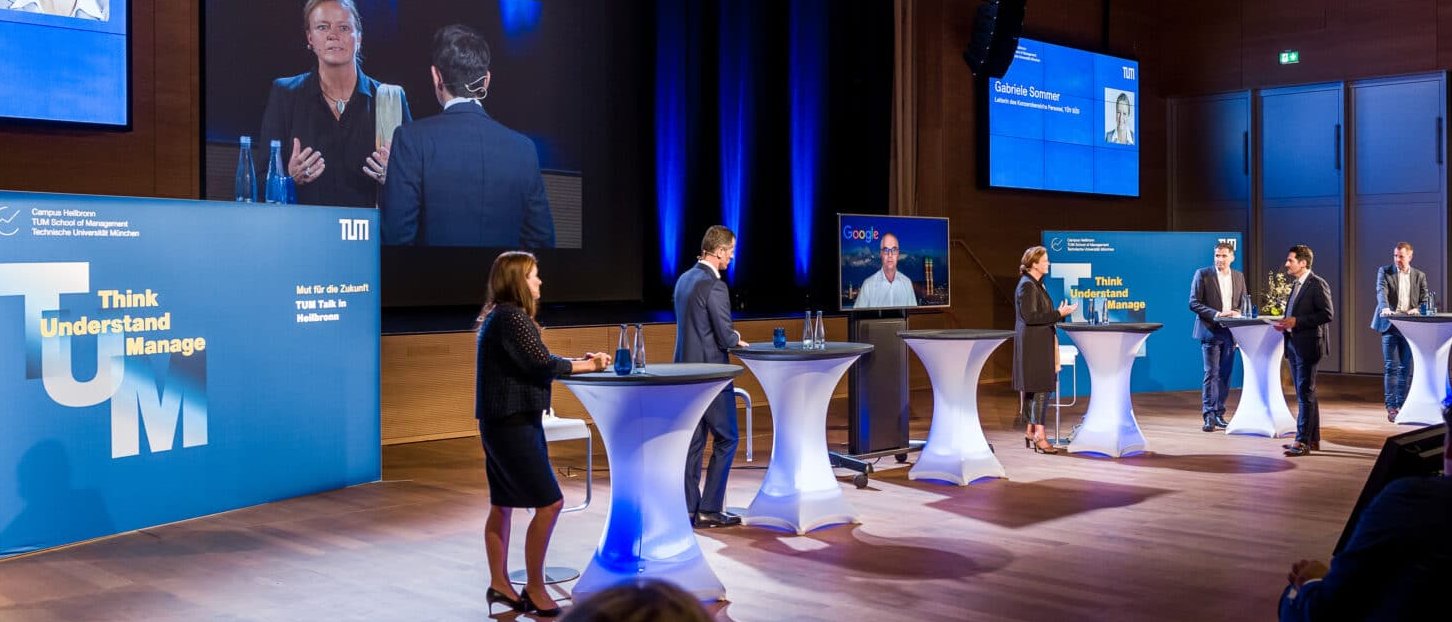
{"type": "Point", "coordinates": [887, 287]}
{"type": "Point", "coordinates": [460, 178]}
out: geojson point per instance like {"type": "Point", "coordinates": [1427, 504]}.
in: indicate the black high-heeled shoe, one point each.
{"type": "Point", "coordinates": [1028, 441]}
{"type": "Point", "coordinates": [492, 596]}
{"type": "Point", "coordinates": [529, 606]}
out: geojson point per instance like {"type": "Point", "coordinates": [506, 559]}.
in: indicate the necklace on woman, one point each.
{"type": "Point", "coordinates": [338, 103]}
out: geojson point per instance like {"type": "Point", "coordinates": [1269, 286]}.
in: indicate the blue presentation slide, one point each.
{"type": "Point", "coordinates": [1064, 119]}
{"type": "Point", "coordinates": [162, 360]}
{"type": "Point", "coordinates": [1143, 277]}
{"type": "Point", "coordinates": [64, 61]}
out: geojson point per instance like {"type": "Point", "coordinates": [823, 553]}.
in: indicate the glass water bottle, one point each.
{"type": "Point", "coordinates": [623, 365]}
{"type": "Point", "coordinates": [819, 334]}
{"type": "Point", "coordinates": [245, 188]}
{"type": "Point", "coordinates": [637, 353]}
{"type": "Point", "coordinates": [809, 332]}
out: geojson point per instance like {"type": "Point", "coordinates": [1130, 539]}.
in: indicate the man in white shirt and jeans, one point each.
{"type": "Point", "coordinates": [1216, 292]}
{"type": "Point", "coordinates": [1400, 289]}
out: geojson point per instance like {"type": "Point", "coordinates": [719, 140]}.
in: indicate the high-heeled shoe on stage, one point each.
{"type": "Point", "coordinates": [495, 596]}
{"type": "Point", "coordinates": [1042, 446]}
{"type": "Point", "coordinates": [1028, 441]}
{"type": "Point", "coordinates": [529, 606]}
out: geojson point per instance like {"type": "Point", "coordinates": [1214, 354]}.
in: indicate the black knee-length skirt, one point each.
{"type": "Point", "coordinates": [517, 464]}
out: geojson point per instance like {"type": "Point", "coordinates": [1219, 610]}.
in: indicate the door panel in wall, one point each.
{"type": "Point", "coordinates": [1302, 188]}
{"type": "Point", "coordinates": [1398, 194]}
{"type": "Point", "coordinates": [1210, 166]}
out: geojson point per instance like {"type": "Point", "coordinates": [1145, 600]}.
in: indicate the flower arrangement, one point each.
{"type": "Point", "coordinates": [1276, 294]}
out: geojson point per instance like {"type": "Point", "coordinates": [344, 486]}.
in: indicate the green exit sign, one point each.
{"type": "Point", "coordinates": [1290, 57]}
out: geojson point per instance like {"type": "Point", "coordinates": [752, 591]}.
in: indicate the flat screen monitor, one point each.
{"type": "Point", "coordinates": [561, 97]}
{"type": "Point", "coordinates": [261, 77]}
{"type": "Point", "coordinates": [892, 262]}
{"type": "Point", "coordinates": [66, 62]}
{"type": "Point", "coordinates": [1063, 119]}
{"type": "Point", "coordinates": [1411, 454]}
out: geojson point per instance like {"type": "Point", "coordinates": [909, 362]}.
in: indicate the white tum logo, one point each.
{"type": "Point", "coordinates": [354, 229]}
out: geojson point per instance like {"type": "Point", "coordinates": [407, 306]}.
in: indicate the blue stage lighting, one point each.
{"type": "Point", "coordinates": [808, 63]}
{"type": "Point", "coordinates": [670, 132]}
{"type": "Point", "coordinates": [520, 16]}
{"type": "Point", "coordinates": [737, 118]}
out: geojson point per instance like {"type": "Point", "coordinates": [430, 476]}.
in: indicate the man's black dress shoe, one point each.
{"type": "Point", "coordinates": [709, 520]}
{"type": "Point", "coordinates": [1220, 421]}
{"type": "Point", "coordinates": [1297, 449]}
{"type": "Point", "coordinates": [1209, 425]}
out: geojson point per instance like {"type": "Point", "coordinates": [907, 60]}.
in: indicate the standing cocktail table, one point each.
{"type": "Point", "coordinates": [1262, 410]}
{"type": "Point", "coordinates": [800, 493]}
{"type": "Point", "coordinates": [1109, 350]}
{"type": "Point", "coordinates": [956, 451]}
{"type": "Point", "coordinates": [646, 422]}
{"type": "Point", "coordinates": [1430, 337]}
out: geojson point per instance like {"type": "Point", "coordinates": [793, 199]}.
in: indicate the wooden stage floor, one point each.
{"type": "Point", "coordinates": [1204, 528]}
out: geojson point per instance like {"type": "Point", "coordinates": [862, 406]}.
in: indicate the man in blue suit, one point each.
{"type": "Point", "coordinates": [460, 178]}
{"type": "Point", "coordinates": [1400, 288]}
{"type": "Point", "coordinates": [1216, 292]}
{"type": "Point", "coordinates": [704, 335]}
{"type": "Point", "coordinates": [1308, 314]}
{"type": "Point", "coordinates": [1397, 562]}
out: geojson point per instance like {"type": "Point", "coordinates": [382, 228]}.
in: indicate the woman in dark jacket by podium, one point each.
{"type": "Point", "coordinates": [1035, 345]}
{"type": "Point", "coordinates": [515, 371]}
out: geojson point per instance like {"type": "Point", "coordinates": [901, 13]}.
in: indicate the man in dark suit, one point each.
{"type": "Point", "coordinates": [1216, 292]}
{"type": "Point", "coordinates": [1397, 562]}
{"type": "Point", "coordinates": [1400, 288]}
{"type": "Point", "coordinates": [1308, 314]}
{"type": "Point", "coordinates": [703, 335]}
{"type": "Point", "coordinates": [460, 178]}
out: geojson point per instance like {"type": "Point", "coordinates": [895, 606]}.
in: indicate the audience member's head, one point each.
{"type": "Point", "coordinates": [643, 600]}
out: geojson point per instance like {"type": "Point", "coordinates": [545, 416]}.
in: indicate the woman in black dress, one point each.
{"type": "Point", "coordinates": [515, 371]}
{"type": "Point", "coordinates": [1035, 345]}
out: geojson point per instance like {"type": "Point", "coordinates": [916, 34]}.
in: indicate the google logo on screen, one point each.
{"type": "Point", "coordinates": [869, 234]}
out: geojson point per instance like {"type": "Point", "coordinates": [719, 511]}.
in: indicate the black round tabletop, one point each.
{"type": "Point", "coordinates": [1436, 318]}
{"type": "Point", "coordinates": [1232, 322]}
{"type": "Point", "coordinates": [1112, 327]}
{"type": "Point", "coordinates": [661, 373]}
{"type": "Point", "coordinates": [795, 352]}
{"type": "Point", "coordinates": [956, 334]}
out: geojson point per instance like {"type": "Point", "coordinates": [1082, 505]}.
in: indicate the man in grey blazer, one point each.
{"type": "Point", "coordinates": [1400, 288]}
{"type": "Point", "coordinates": [1216, 292]}
{"type": "Point", "coordinates": [703, 335]}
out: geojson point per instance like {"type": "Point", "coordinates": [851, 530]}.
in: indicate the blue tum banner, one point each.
{"type": "Point", "coordinates": [162, 360]}
{"type": "Point", "coordinates": [1143, 277]}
